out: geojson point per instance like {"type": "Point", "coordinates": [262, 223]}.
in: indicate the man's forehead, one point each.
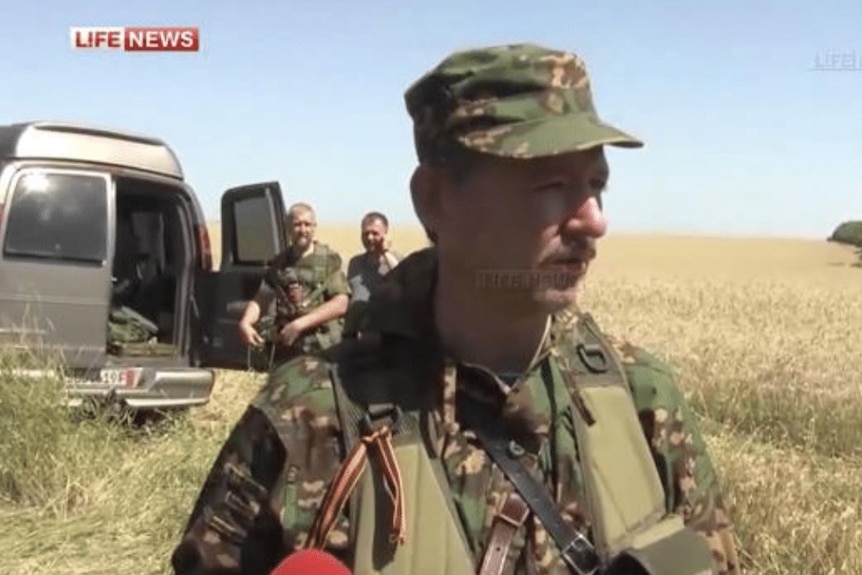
{"type": "Point", "coordinates": [373, 223]}
{"type": "Point", "coordinates": [303, 216]}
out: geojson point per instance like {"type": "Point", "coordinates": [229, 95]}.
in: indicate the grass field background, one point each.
{"type": "Point", "coordinates": [764, 335]}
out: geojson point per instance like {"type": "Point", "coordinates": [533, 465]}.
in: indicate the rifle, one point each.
{"type": "Point", "coordinates": [290, 305]}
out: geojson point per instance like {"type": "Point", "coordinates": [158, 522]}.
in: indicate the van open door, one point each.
{"type": "Point", "coordinates": [252, 229]}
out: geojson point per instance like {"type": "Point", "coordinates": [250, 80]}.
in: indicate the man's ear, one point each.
{"type": "Point", "coordinates": [426, 193]}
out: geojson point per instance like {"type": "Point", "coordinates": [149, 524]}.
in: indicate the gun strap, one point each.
{"type": "Point", "coordinates": [312, 295]}
{"type": "Point", "coordinates": [576, 550]}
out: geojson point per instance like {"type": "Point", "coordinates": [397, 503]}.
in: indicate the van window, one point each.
{"type": "Point", "coordinates": [253, 234]}
{"type": "Point", "coordinates": [58, 216]}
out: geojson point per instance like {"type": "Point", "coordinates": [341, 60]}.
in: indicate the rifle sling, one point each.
{"type": "Point", "coordinates": [576, 550]}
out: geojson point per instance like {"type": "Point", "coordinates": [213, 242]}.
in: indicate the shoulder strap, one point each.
{"type": "Point", "coordinates": [365, 385]}
{"type": "Point", "coordinates": [596, 363]}
{"type": "Point", "coordinates": [599, 367]}
{"type": "Point", "coordinates": [349, 412]}
{"type": "Point", "coordinates": [593, 370]}
{"type": "Point", "coordinates": [597, 344]}
{"type": "Point", "coordinates": [577, 551]}
{"type": "Point", "coordinates": [362, 407]}
{"type": "Point", "coordinates": [351, 367]}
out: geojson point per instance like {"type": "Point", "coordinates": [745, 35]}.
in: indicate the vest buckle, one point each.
{"type": "Point", "coordinates": [593, 357]}
{"type": "Point", "coordinates": [376, 413]}
{"type": "Point", "coordinates": [580, 555]}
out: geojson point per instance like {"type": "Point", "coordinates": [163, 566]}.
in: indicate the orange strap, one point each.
{"type": "Point", "coordinates": [377, 445]}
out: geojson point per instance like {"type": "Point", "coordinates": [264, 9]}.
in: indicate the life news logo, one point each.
{"type": "Point", "coordinates": [136, 38]}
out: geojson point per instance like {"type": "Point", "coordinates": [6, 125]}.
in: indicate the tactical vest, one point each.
{"type": "Point", "coordinates": [287, 308]}
{"type": "Point", "coordinates": [402, 516]}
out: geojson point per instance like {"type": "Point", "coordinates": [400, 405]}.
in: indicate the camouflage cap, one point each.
{"type": "Point", "coordinates": [515, 100]}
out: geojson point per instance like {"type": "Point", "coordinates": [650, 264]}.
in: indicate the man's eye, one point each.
{"type": "Point", "coordinates": [550, 186]}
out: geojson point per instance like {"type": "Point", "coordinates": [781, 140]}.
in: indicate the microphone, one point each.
{"type": "Point", "coordinates": [310, 562]}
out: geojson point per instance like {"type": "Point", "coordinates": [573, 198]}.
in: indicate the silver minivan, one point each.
{"type": "Point", "coordinates": [96, 220]}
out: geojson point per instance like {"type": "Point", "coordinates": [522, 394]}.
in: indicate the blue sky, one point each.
{"type": "Point", "coordinates": [742, 136]}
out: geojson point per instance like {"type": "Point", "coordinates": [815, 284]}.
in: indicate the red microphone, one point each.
{"type": "Point", "coordinates": [311, 562]}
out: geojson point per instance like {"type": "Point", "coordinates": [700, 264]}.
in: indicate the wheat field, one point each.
{"type": "Point", "coordinates": [763, 333]}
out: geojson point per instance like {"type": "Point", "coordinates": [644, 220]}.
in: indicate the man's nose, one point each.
{"type": "Point", "coordinates": [588, 219]}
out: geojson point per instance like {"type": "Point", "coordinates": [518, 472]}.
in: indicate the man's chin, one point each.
{"type": "Point", "coordinates": [556, 299]}
{"type": "Point", "coordinates": [561, 293]}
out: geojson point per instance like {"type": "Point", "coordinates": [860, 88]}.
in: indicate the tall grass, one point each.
{"type": "Point", "coordinates": [763, 334]}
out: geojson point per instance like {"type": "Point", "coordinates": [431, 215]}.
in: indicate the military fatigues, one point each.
{"type": "Point", "coordinates": [293, 286]}
{"type": "Point", "coordinates": [279, 483]}
{"type": "Point", "coordinates": [266, 486]}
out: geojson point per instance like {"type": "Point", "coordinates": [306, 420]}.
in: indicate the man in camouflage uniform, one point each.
{"type": "Point", "coordinates": [303, 296]}
{"type": "Point", "coordinates": [509, 185]}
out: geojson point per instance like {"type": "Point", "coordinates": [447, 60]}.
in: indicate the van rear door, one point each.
{"type": "Point", "coordinates": [55, 272]}
{"type": "Point", "coordinates": [252, 232]}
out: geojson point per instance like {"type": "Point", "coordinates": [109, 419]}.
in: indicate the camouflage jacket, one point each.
{"type": "Point", "coordinates": [262, 493]}
{"type": "Point", "coordinates": [319, 275]}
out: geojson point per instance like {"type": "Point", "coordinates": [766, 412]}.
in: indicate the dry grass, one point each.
{"type": "Point", "coordinates": [764, 335]}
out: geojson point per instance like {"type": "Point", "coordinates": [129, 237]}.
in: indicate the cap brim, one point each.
{"type": "Point", "coordinates": [549, 137]}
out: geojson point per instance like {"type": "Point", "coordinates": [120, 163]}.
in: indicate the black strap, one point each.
{"type": "Point", "coordinates": [577, 551]}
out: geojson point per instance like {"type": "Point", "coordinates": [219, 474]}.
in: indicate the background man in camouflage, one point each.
{"type": "Point", "coordinates": [304, 292]}
{"type": "Point", "coordinates": [509, 186]}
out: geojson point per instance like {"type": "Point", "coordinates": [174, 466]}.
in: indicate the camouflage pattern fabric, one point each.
{"type": "Point", "coordinates": [126, 326]}
{"type": "Point", "coordinates": [263, 492]}
{"type": "Point", "coordinates": [518, 101]}
{"type": "Point", "coordinates": [318, 277]}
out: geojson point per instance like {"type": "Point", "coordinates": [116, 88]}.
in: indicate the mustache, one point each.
{"type": "Point", "coordinates": [582, 251]}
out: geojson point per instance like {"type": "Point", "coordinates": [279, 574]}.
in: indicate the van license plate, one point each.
{"type": "Point", "coordinates": [114, 377]}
